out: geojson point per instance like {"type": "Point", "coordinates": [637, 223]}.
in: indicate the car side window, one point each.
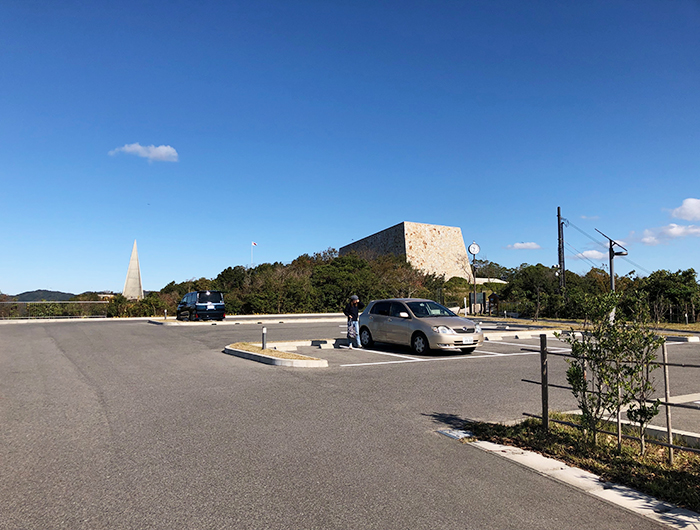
{"type": "Point", "coordinates": [396, 308]}
{"type": "Point", "coordinates": [381, 308]}
{"type": "Point", "coordinates": [419, 309]}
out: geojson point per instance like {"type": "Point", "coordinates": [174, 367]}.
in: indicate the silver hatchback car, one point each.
{"type": "Point", "coordinates": [421, 324]}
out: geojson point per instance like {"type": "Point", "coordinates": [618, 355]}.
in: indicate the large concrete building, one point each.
{"type": "Point", "coordinates": [434, 249]}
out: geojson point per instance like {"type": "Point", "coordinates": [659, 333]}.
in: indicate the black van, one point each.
{"type": "Point", "coordinates": [202, 305]}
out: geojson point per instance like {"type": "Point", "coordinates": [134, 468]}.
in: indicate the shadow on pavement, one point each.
{"type": "Point", "coordinates": [451, 420]}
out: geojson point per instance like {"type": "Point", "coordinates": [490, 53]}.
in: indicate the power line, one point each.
{"type": "Point", "coordinates": [580, 255]}
{"type": "Point", "coordinates": [569, 223]}
{"type": "Point", "coordinates": [636, 265]}
{"type": "Point", "coordinates": [588, 235]}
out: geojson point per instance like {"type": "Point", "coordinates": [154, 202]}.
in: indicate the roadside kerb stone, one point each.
{"type": "Point", "coordinates": [628, 498]}
{"type": "Point", "coordinates": [256, 319]}
{"type": "Point", "coordinates": [529, 334]}
{"type": "Point", "coordinates": [690, 439]}
{"type": "Point", "coordinates": [277, 361]}
{"type": "Point", "coordinates": [692, 338]}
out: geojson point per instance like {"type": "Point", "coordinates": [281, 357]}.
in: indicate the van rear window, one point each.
{"type": "Point", "coordinates": [214, 297]}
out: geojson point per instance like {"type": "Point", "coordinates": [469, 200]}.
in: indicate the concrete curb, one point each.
{"type": "Point", "coordinates": [329, 344]}
{"type": "Point", "coordinates": [259, 320]}
{"type": "Point", "coordinates": [276, 361]}
{"type": "Point", "coordinates": [291, 346]}
{"type": "Point", "coordinates": [673, 338]}
{"type": "Point", "coordinates": [522, 334]}
{"type": "Point", "coordinates": [71, 319]}
{"type": "Point", "coordinates": [691, 439]}
{"type": "Point", "coordinates": [660, 511]}
{"type": "Point", "coordinates": [639, 503]}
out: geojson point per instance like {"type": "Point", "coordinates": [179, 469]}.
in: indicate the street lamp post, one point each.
{"type": "Point", "coordinates": [474, 250]}
{"type": "Point", "coordinates": [611, 254]}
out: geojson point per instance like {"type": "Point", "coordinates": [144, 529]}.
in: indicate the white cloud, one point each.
{"type": "Point", "coordinates": [590, 217]}
{"type": "Point", "coordinates": [525, 246]}
{"type": "Point", "coordinates": [688, 211]}
{"type": "Point", "coordinates": [591, 254]}
{"type": "Point", "coordinates": [650, 239]}
{"type": "Point", "coordinates": [162, 153]}
{"type": "Point", "coordinates": [666, 233]}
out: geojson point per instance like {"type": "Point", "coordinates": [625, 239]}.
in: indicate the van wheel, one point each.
{"type": "Point", "coordinates": [191, 316]}
{"type": "Point", "coordinates": [366, 338]}
{"type": "Point", "coordinates": [420, 344]}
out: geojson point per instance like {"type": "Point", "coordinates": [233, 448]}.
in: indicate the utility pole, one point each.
{"type": "Point", "coordinates": [562, 266]}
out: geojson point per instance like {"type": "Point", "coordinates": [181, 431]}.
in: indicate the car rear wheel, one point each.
{"type": "Point", "coordinates": [468, 350]}
{"type": "Point", "coordinates": [366, 338]}
{"type": "Point", "coordinates": [420, 344]}
{"type": "Point", "coordinates": [191, 316]}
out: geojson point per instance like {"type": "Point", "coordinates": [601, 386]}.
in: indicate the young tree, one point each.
{"type": "Point", "coordinates": [612, 364]}
{"type": "Point", "coordinates": [592, 369]}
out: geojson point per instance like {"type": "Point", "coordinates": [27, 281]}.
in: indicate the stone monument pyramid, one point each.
{"type": "Point", "coordinates": [132, 285]}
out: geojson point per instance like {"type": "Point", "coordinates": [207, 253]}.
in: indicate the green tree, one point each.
{"type": "Point", "coordinates": [612, 365]}
{"type": "Point", "coordinates": [535, 287]}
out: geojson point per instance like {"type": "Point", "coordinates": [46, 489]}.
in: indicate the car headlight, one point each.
{"type": "Point", "coordinates": [444, 330]}
{"type": "Point", "coordinates": [477, 328]}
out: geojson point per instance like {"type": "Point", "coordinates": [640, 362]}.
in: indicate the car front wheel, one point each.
{"type": "Point", "coordinates": [366, 338]}
{"type": "Point", "coordinates": [420, 344]}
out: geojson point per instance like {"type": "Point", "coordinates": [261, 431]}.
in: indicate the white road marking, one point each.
{"type": "Point", "coordinates": [484, 355]}
{"type": "Point", "coordinates": [487, 355]}
{"type": "Point", "coordinates": [390, 354]}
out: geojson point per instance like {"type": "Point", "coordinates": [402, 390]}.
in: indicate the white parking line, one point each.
{"type": "Point", "coordinates": [486, 355]}
{"type": "Point", "coordinates": [390, 354]}
{"type": "Point", "coordinates": [553, 349]}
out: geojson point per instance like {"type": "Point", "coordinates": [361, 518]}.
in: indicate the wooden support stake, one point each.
{"type": "Point", "coordinates": [667, 395]}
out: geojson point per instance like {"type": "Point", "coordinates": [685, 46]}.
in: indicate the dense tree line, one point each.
{"type": "Point", "coordinates": [310, 284]}
{"type": "Point", "coordinates": [533, 291]}
{"type": "Point", "coordinates": [322, 282]}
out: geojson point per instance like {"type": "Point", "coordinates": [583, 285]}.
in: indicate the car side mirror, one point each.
{"type": "Point", "coordinates": [403, 314]}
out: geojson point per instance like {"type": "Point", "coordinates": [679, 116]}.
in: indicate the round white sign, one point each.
{"type": "Point", "coordinates": [474, 248]}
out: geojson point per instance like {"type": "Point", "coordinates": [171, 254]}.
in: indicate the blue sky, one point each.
{"type": "Point", "coordinates": [196, 128]}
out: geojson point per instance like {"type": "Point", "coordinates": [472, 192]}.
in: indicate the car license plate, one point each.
{"type": "Point", "coordinates": [468, 340]}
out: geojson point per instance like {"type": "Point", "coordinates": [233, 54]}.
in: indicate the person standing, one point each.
{"type": "Point", "coordinates": [352, 311]}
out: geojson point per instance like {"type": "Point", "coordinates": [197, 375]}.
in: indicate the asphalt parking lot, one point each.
{"type": "Point", "coordinates": [133, 425]}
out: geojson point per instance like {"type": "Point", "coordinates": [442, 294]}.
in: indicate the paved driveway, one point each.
{"type": "Point", "coordinates": [131, 425]}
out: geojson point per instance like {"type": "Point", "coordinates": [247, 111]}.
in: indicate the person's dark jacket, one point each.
{"type": "Point", "coordinates": [352, 311]}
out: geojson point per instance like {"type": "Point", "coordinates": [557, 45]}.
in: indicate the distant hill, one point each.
{"type": "Point", "coordinates": [37, 296]}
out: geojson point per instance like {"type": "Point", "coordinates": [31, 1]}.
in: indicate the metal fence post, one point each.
{"type": "Point", "coordinates": [544, 382]}
{"type": "Point", "coordinates": [667, 396]}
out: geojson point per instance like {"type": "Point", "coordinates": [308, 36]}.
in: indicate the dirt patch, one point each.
{"type": "Point", "coordinates": [246, 346]}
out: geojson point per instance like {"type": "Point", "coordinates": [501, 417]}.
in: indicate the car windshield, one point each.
{"type": "Point", "coordinates": [429, 308]}
{"type": "Point", "coordinates": [210, 296]}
